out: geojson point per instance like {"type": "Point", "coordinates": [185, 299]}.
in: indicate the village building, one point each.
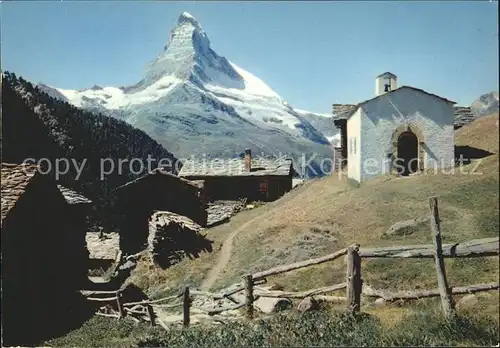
{"type": "Point", "coordinates": [402, 130]}
{"type": "Point", "coordinates": [256, 179]}
{"type": "Point", "coordinates": [158, 190]}
{"type": "Point", "coordinates": [43, 253]}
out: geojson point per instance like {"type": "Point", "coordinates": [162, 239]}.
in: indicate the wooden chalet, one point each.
{"type": "Point", "coordinates": [43, 254]}
{"type": "Point", "coordinates": [256, 179]}
{"type": "Point", "coordinates": [159, 190]}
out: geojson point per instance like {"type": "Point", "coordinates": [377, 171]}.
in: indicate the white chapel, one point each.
{"type": "Point", "coordinates": [401, 130]}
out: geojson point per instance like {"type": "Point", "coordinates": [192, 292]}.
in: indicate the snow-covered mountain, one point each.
{"type": "Point", "coordinates": [195, 102]}
{"type": "Point", "coordinates": [324, 124]}
{"type": "Point", "coordinates": [485, 105]}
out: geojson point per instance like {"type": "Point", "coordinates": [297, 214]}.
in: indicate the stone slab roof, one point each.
{"type": "Point", "coordinates": [163, 218]}
{"type": "Point", "coordinates": [15, 179]}
{"type": "Point", "coordinates": [340, 111]}
{"type": "Point", "coordinates": [236, 167]}
{"type": "Point", "coordinates": [73, 197]}
{"type": "Point", "coordinates": [463, 115]}
{"type": "Point", "coordinates": [103, 246]}
{"type": "Point", "coordinates": [160, 171]}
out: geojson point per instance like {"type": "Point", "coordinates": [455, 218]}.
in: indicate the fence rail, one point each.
{"type": "Point", "coordinates": [474, 248]}
{"type": "Point", "coordinates": [353, 286]}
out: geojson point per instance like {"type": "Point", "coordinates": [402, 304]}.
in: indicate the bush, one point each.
{"type": "Point", "coordinates": [319, 328]}
{"type": "Point", "coordinates": [324, 329]}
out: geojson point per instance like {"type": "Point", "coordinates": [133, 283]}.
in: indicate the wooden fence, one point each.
{"type": "Point", "coordinates": [353, 285]}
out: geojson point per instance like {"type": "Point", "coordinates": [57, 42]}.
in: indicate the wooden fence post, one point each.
{"type": "Point", "coordinates": [353, 279]}
{"type": "Point", "coordinates": [151, 314]}
{"type": "Point", "coordinates": [187, 305]}
{"type": "Point", "coordinates": [444, 289]}
{"type": "Point", "coordinates": [119, 304]}
{"type": "Point", "coordinates": [248, 279]}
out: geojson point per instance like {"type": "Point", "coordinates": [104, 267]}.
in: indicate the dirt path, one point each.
{"type": "Point", "coordinates": [227, 245]}
{"type": "Point", "coordinates": [225, 255]}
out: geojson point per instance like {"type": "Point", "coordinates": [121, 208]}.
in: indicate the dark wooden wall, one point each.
{"type": "Point", "coordinates": [43, 264]}
{"type": "Point", "coordinates": [249, 187]}
{"type": "Point", "coordinates": [342, 126]}
{"type": "Point", "coordinates": [137, 203]}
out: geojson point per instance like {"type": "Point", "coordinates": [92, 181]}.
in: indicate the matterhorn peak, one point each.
{"type": "Point", "coordinates": [188, 32]}
{"type": "Point", "coordinates": [186, 17]}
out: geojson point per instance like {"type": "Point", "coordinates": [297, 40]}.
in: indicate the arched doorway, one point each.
{"type": "Point", "coordinates": [408, 156]}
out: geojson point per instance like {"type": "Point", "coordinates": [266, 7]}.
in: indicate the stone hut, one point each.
{"type": "Point", "coordinates": [43, 264]}
{"type": "Point", "coordinates": [255, 179]}
{"type": "Point", "coordinates": [159, 190]}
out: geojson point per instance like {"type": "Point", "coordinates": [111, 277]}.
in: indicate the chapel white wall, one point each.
{"type": "Point", "coordinates": [353, 135]}
{"type": "Point", "coordinates": [380, 117]}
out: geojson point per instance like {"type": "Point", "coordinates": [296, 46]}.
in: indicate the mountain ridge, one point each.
{"type": "Point", "coordinates": [194, 101]}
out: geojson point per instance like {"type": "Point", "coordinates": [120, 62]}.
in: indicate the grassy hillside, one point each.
{"type": "Point", "coordinates": [481, 134]}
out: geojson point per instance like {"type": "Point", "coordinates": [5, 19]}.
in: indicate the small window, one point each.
{"type": "Point", "coordinates": [354, 145]}
{"type": "Point", "coordinates": [263, 186]}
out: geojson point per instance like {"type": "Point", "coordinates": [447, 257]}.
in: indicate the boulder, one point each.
{"type": "Point", "coordinates": [380, 302]}
{"type": "Point", "coordinates": [272, 304]}
{"type": "Point", "coordinates": [307, 304]}
{"type": "Point", "coordinates": [468, 301]}
{"type": "Point", "coordinates": [405, 227]}
{"type": "Point", "coordinates": [267, 304]}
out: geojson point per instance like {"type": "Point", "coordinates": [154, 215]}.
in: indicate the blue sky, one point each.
{"type": "Point", "coordinates": [311, 53]}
